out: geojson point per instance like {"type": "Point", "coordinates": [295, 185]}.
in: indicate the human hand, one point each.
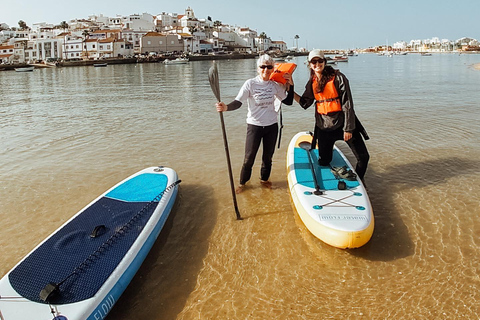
{"type": "Point", "coordinates": [287, 76]}
{"type": "Point", "coordinates": [347, 136]}
{"type": "Point", "coordinates": [221, 107]}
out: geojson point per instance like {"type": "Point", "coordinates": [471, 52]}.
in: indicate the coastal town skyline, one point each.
{"type": "Point", "coordinates": [350, 24]}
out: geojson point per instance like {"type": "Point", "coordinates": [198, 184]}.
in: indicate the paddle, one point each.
{"type": "Point", "coordinates": [213, 78]}
{"type": "Point", "coordinates": [305, 145]}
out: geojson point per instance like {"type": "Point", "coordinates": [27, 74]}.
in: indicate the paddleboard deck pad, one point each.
{"type": "Point", "coordinates": [80, 270]}
{"type": "Point", "coordinates": [334, 209]}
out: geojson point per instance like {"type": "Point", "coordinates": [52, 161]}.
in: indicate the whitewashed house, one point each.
{"type": "Point", "coordinates": [72, 48]}
{"type": "Point", "coordinates": [137, 22]}
{"type": "Point", "coordinates": [6, 53]}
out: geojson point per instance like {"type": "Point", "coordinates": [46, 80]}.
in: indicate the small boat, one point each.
{"type": "Point", "coordinates": [425, 54]}
{"type": "Point", "coordinates": [333, 205]}
{"type": "Point", "coordinates": [80, 270]}
{"type": "Point", "coordinates": [330, 60]}
{"type": "Point", "coordinates": [24, 69]}
{"type": "Point", "coordinates": [176, 61]}
{"type": "Point", "coordinates": [341, 58]}
{"type": "Point", "coordinates": [100, 64]}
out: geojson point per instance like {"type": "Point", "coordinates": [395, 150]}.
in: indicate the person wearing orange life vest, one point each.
{"type": "Point", "coordinates": [335, 117]}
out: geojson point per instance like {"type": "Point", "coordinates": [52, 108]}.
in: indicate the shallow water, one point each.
{"type": "Point", "coordinates": [69, 134]}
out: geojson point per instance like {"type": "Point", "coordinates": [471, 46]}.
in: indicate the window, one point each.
{"type": "Point", "coordinates": [149, 42]}
{"type": "Point", "coordinates": [161, 42]}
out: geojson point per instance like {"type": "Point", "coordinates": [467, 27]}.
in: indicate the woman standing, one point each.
{"type": "Point", "coordinates": [260, 94]}
{"type": "Point", "coordinates": [334, 115]}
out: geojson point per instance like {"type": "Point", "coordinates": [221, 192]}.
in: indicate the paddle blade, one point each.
{"type": "Point", "coordinates": [213, 78]}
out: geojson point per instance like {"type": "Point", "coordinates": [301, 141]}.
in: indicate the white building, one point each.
{"type": "Point", "coordinates": [166, 21]}
{"type": "Point", "coordinates": [6, 53]}
{"type": "Point", "coordinates": [136, 22]}
{"type": "Point", "coordinates": [400, 45]}
{"type": "Point", "coordinates": [72, 48]}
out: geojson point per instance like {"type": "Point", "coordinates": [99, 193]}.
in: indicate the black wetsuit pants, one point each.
{"type": "Point", "coordinates": [326, 140]}
{"type": "Point", "coordinates": [256, 135]}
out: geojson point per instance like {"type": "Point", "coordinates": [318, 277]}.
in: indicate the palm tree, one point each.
{"type": "Point", "coordinates": [85, 35]}
{"type": "Point", "coordinates": [64, 25]}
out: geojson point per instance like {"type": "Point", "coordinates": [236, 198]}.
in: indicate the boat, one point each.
{"type": "Point", "coordinates": [334, 208]}
{"type": "Point", "coordinates": [425, 54]}
{"type": "Point", "coordinates": [25, 69]}
{"type": "Point", "coordinates": [176, 61]}
{"type": "Point", "coordinates": [80, 270]}
{"type": "Point", "coordinates": [342, 58]}
{"type": "Point", "coordinates": [330, 60]}
{"type": "Point", "coordinates": [100, 65]}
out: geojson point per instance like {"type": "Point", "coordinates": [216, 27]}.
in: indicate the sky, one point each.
{"type": "Point", "coordinates": [321, 24]}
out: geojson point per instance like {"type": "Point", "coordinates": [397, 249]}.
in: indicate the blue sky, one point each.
{"type": "Point", "coordinates": [324, 24]}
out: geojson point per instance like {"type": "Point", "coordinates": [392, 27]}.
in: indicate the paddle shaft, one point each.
{"type": "Point", "coordinates": [227, 153]}
{"type": "Point", "coordinates": [312, 168]}
{"type": "Point", "coordinates": [214, 84]}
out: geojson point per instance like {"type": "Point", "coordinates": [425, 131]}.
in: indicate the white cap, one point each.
{"type": "Point", "coordinates": [315, 53]}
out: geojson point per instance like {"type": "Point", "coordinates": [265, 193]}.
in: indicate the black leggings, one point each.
{"type": "Point", "coordinates": [255, 135]}
{"type": "Point", "coordinates": [326, 140]}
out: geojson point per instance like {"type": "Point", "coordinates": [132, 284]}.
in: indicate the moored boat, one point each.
{"type": "Point", "coordinates": [176, 61]}
{"type": "Point", "coordinates": [343, 58]}
{"type": "Point", "coordinates": [25, 69]}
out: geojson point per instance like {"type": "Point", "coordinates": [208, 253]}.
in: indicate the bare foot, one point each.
{"type": "Point", "coordinates": [266, 184]}
{"type": "Point", "coordinates": [240, 189]}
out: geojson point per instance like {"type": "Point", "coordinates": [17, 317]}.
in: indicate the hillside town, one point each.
{"type": "Point", "coordinates": [147, 37]}
{"type": "Point", "coordinates": [100, 37]}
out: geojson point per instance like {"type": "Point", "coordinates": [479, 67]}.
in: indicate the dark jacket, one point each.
{"type": "Point", "coordinates": [345, 118]}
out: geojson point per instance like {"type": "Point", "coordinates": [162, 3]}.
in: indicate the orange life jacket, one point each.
{"type": "Point", "coordinates": [327, 101]}
{"type": "Point", "coordinates": [280, 70]}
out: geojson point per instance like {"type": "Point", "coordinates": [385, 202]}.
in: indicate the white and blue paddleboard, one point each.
{"type": "Point", "coordinates": [335, 210]}
{"type": "Point", "coordinates": [80, 271]}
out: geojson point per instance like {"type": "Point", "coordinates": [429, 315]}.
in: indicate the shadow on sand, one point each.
{"type": "Point", "coordinates": [390, 239]}
{"type": "Point", "coordinates": [169, 273]}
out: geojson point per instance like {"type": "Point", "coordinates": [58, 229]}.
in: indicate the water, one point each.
{"type": "Point", "coordinates": [69, 134]}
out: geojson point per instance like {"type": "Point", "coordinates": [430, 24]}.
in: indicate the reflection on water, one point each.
{"type": "Point", "coordinates": [68, 134]}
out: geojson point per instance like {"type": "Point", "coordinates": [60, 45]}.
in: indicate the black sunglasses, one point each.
{"type": "Point", "coordinates": [266, 66]}
{"type": "Point", "coordinates": [315, 61]}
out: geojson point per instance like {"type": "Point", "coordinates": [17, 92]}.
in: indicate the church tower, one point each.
{"type": "Point", "coordinates": [189, 13]}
